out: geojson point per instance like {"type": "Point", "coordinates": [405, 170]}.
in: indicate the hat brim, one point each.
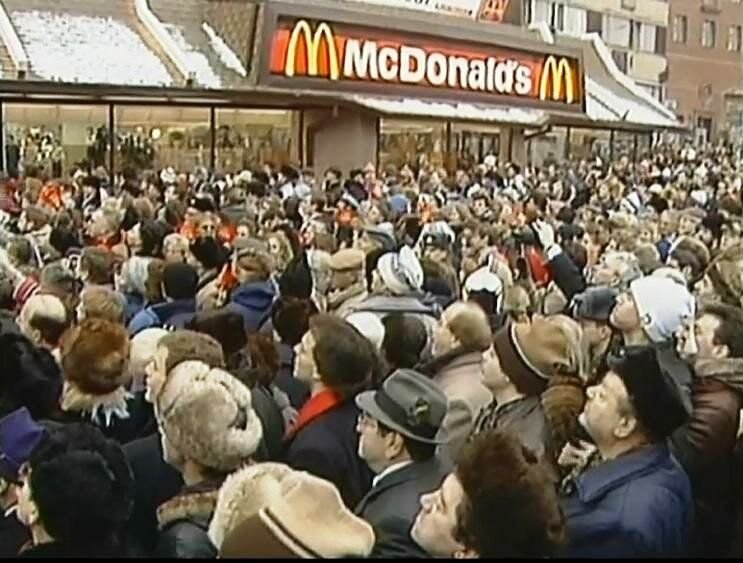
{"type": "Point", "coordinates": [366, 402]}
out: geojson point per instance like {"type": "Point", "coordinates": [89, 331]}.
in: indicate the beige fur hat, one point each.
{"type": "Point", "coordinates": [306, 519]}
{"type": "Point", "coordinates": [206, 415]}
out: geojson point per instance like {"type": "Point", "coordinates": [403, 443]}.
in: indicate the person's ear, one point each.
{"type": "Point", "coordinates": [626, 426]}
{"type": "Point", "coordinates": [395, 444]}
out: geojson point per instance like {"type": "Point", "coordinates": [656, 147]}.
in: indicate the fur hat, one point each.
{"type": "Point", "coordinates": [307, 519]}
{"type": "Point", "coordinates": [206, 414]}
{"type": "Point", "coordinates": [726, 274]}
{"type": "Point", "coordinates": [188, 345]}
{"type": "Point", "coordinates": [662, 305]}
{"type": "Point", "coordinates": [401, 272]}
{"type": "Point", "coordinates": [533, 353]}
{"type": "Point", "coordinates": [243, 494]}
{"type": "Point", "coordinates": [95, 356]}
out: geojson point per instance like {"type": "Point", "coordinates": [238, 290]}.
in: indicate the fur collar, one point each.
{"type": "Point", "coordinates": [338, 298]}
{"type": "Point", "coordinates": [195, 502]}
{"type": "Point", "coordinates": [727, 370]}
{"type": "Point", "coordinates": [101, 409]}
{"type": "Point", "coordinates": [445, 360]}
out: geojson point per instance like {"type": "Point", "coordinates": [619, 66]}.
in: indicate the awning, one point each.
{"type": "Point", "coordinates": [456, 111]}
{"type": "Point", "coordinates": [604, 105]}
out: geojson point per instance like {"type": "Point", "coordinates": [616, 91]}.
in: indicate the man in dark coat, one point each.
{"type": "Point", "coordinates": [399, 430]}
{"type": "Point", "coordinates": [323, 441]}
{"type": "Point", "coordinates": [637, 502]}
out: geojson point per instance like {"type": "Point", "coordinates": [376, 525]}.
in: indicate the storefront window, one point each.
{"type": "Point", "coordinates": [154, 137]}
{"type": "Point", "coordinates": [54, 138]}
{"type": "Point", "coordinates": [415, 143]}
{"type": "Point", "coordinates": [472, 143]}
{"type": "Point", "coordinates": [249, 138]}
{"type": "Point", "coordinates": [588, 143]}
{"type": "Point", "coordinates": [548, 148]}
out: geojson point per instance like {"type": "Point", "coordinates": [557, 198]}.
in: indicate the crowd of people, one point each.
{"type": "Point", "coordinates": [496, 362]}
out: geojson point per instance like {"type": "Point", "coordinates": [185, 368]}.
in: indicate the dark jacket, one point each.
{"type": "Point", "coordinates": [13, 536]}
{"type": "Point", "coordinates": [139, 424]}
{"type": "Point", "coordinates": [637, 505]}
{"type": "Point", "coordinates": [297, 390]}
{"type": "Point", "coordinates": [92, 550]}
{"type": "Point", "coordinates": [272, 442]}
{"type": "Point", "coordinates": [135, 304]}
{"type": "Point", "coordinates": [155, 482]}
{"type": "Point", "coordinates": [253, 301]}
{"type": "Point", "coordinates": [172, 313]}
{"type": "Point", "coordinates": [393, 503]}
{"type": "Point", "coordinates": [567, 276]}
{"type": "Point", "coordinates": [184, 523]}
{"type": "Point", "coordinates": [705, 448]}
{"type": "Point", "coordinates": [328, 448]}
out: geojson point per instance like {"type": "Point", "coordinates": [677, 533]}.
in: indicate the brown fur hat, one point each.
{"type": "Point", "coordinates": [95, 356]}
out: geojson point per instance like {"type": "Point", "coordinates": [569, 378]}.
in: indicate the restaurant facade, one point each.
{"type": "Point", "coordinates": [227, 85]}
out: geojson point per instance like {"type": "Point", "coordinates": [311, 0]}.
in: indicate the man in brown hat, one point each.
{"type": "Point", "coordinates": [399, 428]}
{"type": "Point", "coordinates": [347, 282]}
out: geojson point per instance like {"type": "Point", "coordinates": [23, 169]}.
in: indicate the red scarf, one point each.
{"type": "Point", "coordinates": [321, 403]}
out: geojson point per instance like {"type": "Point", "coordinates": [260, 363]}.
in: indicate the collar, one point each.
{"type": "Point", "coordinates": [609, 475]}
{"type": "Point", "coordinates": [102, 410]}
{"type": "Point", "coordinates": [326, 400]}
{"type": "Point", "coordinates": [339, 297]}
{"type": "Point", "coordinates": [391, 469]}
{"type": "Point", "coordinates": [195, 501]}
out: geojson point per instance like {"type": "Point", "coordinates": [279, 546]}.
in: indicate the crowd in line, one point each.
{"type": "Point", "coordinates": [498, 362]}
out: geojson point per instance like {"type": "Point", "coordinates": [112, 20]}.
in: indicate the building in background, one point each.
{"type": "Point", "coordinates": [705, 65]}
{"type": "Point", "coordinates": [634, 30]}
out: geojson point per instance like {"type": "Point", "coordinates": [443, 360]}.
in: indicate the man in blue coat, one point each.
{"type": "Point", "coordinates": [637, 501]}
{"type": "Point", "coordinates": [180, 282]}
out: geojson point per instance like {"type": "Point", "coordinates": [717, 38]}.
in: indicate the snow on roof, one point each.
{"type": "Point", "coordinates": [225, 54]}
{"type": "Point", "coordinates": [197, 61]}
{"type": "Point", "coordinates": [452, 110]}
{"type": "Point", "coordinates": [604, 105]}
{"type": "Point", "coordinates": [83, 49]}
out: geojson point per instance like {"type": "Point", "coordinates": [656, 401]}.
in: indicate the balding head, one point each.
{"type": "Point", "coordinates": [463, 325]}
{"type": "Point", "coordinates": [43, 320]}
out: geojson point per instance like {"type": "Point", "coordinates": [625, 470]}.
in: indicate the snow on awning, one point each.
{"type": "Point", "coordinates": [453, 110]}
{"type": "Point", "coordinates": [604, 105]}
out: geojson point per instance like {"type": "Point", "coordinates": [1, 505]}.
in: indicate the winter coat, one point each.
{"type": "Point", "coordinates": [56, 550]}
{"type": "Point", "coordinates": [171, 313]}
{"type": "Point", "coordinates": [121, 416]}
{"type": "Point", "coordinates": [253, 301]}
{"type": "Point", "coordinates": [272, 421]}
{"type": "Point", "coordinates": [155, 482]}
{"type": "Point", "coordinates": [567, 276]}
{"type": "Point", "coordinates": [636, 505]}
{"type": "Point", "coordinates": [13, 536]}
{"type": "Point", "coordinates": [327, 446]}
{"type": "Point", "coordinates": [459, 376]}
{"type": "Point", "coordinates": [705, 448]}
{"type": "Point", "coordinates": [135, 304]}
{"type": "Point", "coordinates": [184, 523]}
{"type": "Point", "coordinates": [392, 505]}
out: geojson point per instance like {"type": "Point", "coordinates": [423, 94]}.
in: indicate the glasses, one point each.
{"type": "Point", "coordinates": [366, 421]}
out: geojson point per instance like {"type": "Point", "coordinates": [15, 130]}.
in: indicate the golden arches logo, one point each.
{"type": "Point", "coordinates": [312, 47]}
{"type": "Point", "coordinates": [556, 83]}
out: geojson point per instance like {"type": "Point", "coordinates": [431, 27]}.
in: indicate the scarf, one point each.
{"type": "Point", "coordinates": [101, 409]}
{"type": "Point", "coordinates": [321, 403]}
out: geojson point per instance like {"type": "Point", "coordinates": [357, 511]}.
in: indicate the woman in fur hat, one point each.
{"type": "Point", "coordinates": [208, 429]}
{"type": "Point", "coordinates": [536, 374]}
{"type": "Point", "coordinates": [95, 356]}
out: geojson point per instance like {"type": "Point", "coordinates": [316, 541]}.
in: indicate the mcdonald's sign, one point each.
{"type": "Point", "coordinates": [340, 56]}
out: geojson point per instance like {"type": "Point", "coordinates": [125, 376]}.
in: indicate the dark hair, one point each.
{"type": "Point", "coordinates": [405, 338]}
{"type": "Point", "coordinates": [210, 254]}
{"type": "Point", "coordinates": [82, 486]}
{"type": "Point", "coordinates": [99, 264]}
{"type": "Point", "coordinates": [152, 234]}
{"type": "Point", "coordinates": [62, 239]}
{"type": "Point", "coordinates": [370, 263]}
{"type": "Point", "coordinates": [506, 489]}
{"type": "Point", "coordinates": [418, 451]}
{"type": "Point", "coordinates": [730, 331]}
{"type": "Point", "coordinates": [291, 318]}
{"type": "Point", "coordinates": [180, 281]}
{"type": "Point", "coordinates": [264, 359]}
{"type": "Point", "coordinates": [342, 355]}
{"type": "Point", "coordinates": [226, 327]}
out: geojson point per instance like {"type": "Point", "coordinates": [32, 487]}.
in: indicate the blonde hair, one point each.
{"type": "Point", "coordinates": [102, 303]}
{"type": "Point", "coordinates": [469, 324]}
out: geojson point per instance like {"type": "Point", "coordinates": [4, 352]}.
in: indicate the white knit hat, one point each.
{"type": "Point", "coordinates": [663, 306]}
{"type": "Point", "coordinates": [206, 414]}
{"type": "Point", "coordinates": [369, 325]}
{"type": "Point", "coordinates": [401, 272]}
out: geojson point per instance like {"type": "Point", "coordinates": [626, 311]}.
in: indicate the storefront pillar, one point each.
{"type": "Point", "coordinates": [111, 140]}
{"type": "Point", "coordinates": [354, 132]}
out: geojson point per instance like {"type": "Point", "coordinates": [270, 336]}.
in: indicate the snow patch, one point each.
{"type": "Point", "coordinates": [226, 55]}
{"type": "Point", "coordinates": [196, 60]}
{"type": "Point", "coordinates": [83, 49]}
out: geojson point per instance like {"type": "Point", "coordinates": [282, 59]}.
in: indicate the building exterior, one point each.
{"type": "Point", "coordinates": [705, 64]}
{"type": "Point", "coordinates": [634, 30]}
